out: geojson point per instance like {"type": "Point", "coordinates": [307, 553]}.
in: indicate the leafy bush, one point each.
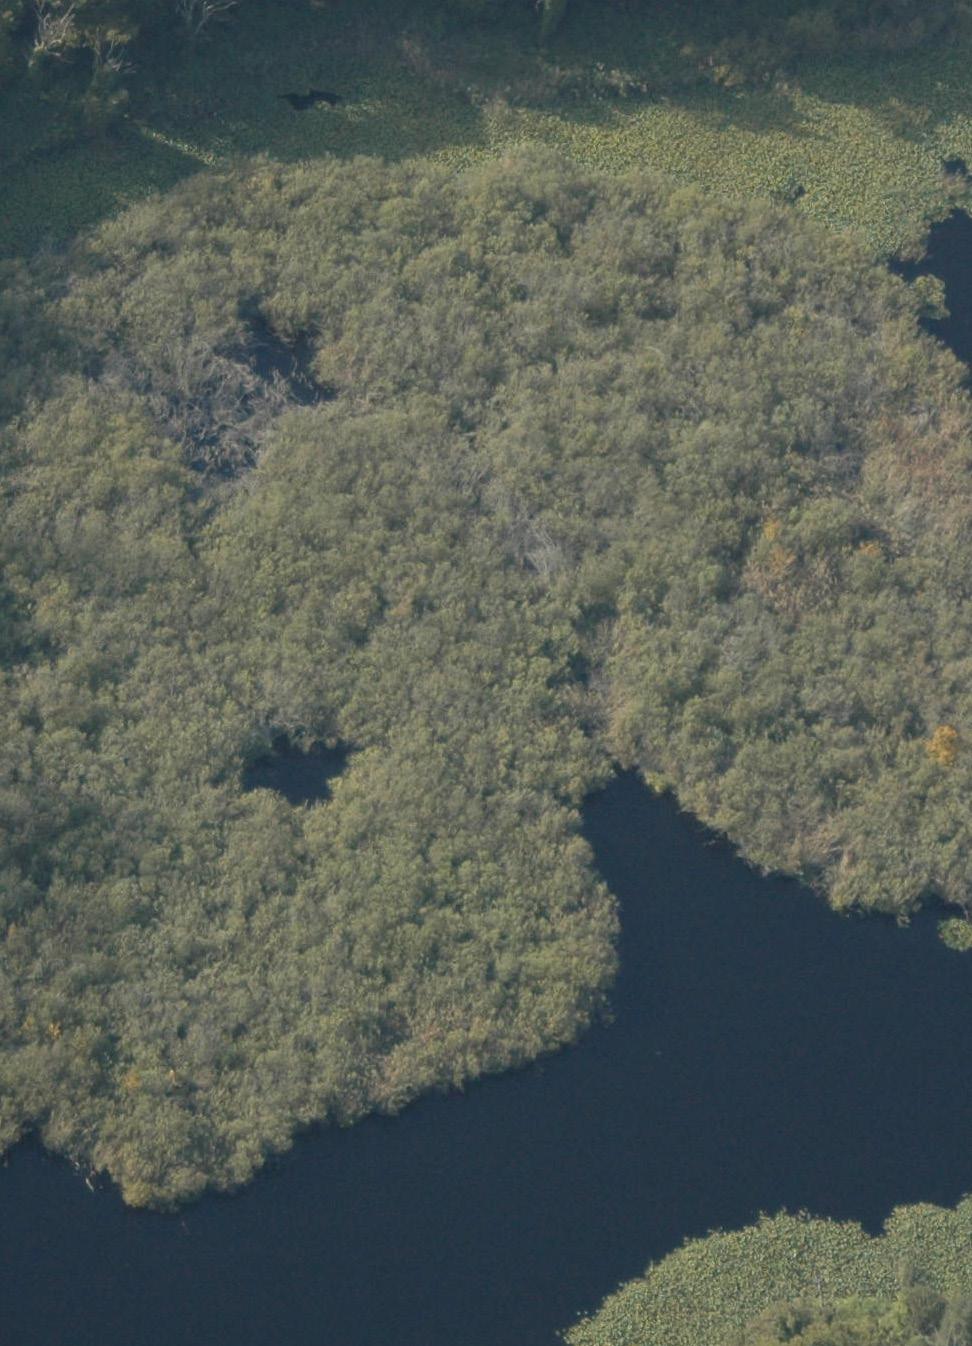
{"type": "Point", "coordinates": [956, 933]}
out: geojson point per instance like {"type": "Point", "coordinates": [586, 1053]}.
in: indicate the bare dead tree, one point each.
{"type": "Point", "coordinates": [108, 50]}
{"type": "Point", "coordinates": [54, 31]}
{"type": "Point", "coordinates": [196, 15]}
{"type": "Point", "coordinates": [529, 541]}
{"type": "Point", "coordinates": [542, 553]}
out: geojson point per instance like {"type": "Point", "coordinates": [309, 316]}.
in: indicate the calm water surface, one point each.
{"type": "Point", "coordinates": [765, 1053]}
{"type": "Point", "coordinates": [949, 257]}
{"type": "Point", "coordinates": [299, 776]}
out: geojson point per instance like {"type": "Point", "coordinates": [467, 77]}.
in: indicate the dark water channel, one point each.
{"type": "Point", "coordinates": [301, 777]}
{"type": "Point", "coordinates": [949, 257]}
{"type": "Point", "coordinates": [765, 1053]}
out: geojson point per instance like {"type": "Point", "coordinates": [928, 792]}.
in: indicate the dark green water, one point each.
{"type": "Point", "coordinates": [765, 1053]}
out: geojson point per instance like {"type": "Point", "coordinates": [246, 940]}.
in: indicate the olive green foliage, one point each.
{"type": "Point", "coordinates": [807, 1281]}
{"type": "Point", "coordinates": [918, 1316]}
{"type": "Point", "coordinates": [597, 468]}
{"type": "Point", "coordinates": [956, 933]}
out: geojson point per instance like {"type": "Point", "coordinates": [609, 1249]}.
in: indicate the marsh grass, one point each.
{"type": "Point", "coordinates": [859, 142]}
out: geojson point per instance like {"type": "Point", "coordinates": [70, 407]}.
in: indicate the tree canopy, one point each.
{"type": "Point", "coordinates": [495, 477]}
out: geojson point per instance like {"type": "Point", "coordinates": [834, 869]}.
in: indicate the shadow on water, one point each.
{"type": "Point", "coordinates": [301, 777]}
{"type": "Point", "coordinates": [300, 102]}
{"type": "Point", "coordinates": [949, 257]}
{"type": "Point", "coordinates": [764, 1054]}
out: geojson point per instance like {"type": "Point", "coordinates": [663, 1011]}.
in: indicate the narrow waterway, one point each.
{"type": "Point", "coordinates": [765, 1053]}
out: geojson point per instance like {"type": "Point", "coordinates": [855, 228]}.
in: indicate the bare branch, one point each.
{"type": "Point", "coordinates": [197, 14]}
{"type": "Point", "coordinates": [55, 32]}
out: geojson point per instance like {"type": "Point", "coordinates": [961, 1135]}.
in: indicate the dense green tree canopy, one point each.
{"type": "Point", "coordinates": [493, 476]}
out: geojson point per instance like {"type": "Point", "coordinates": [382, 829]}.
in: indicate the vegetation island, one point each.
{"type": "Point", "coordinates": [500, 395]}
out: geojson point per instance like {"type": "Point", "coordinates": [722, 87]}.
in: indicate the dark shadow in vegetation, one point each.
{"type": "Point", "coordinates": [300, 102]}
{"type": "Point", "coordinates": [232, 396]}
{"type": "Point", "coordinates": [579, 667]}
{"type": "Point", "coordinates": [956, 167]}
{"type": "Point", "coordinates": [301, 777]}
{"type": "Point", "coordinates": [272, 357]}
{"type": "Point", "coordinates": [759, 112]}
{"type": "Point", "coordinates": [14, 632]}
{"type": "Point", "coordinates": [763, 115]}
{"type": "Point", "coordinates": [70, 191]}
{"type": "Point", "coordinates": [949, 257]}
